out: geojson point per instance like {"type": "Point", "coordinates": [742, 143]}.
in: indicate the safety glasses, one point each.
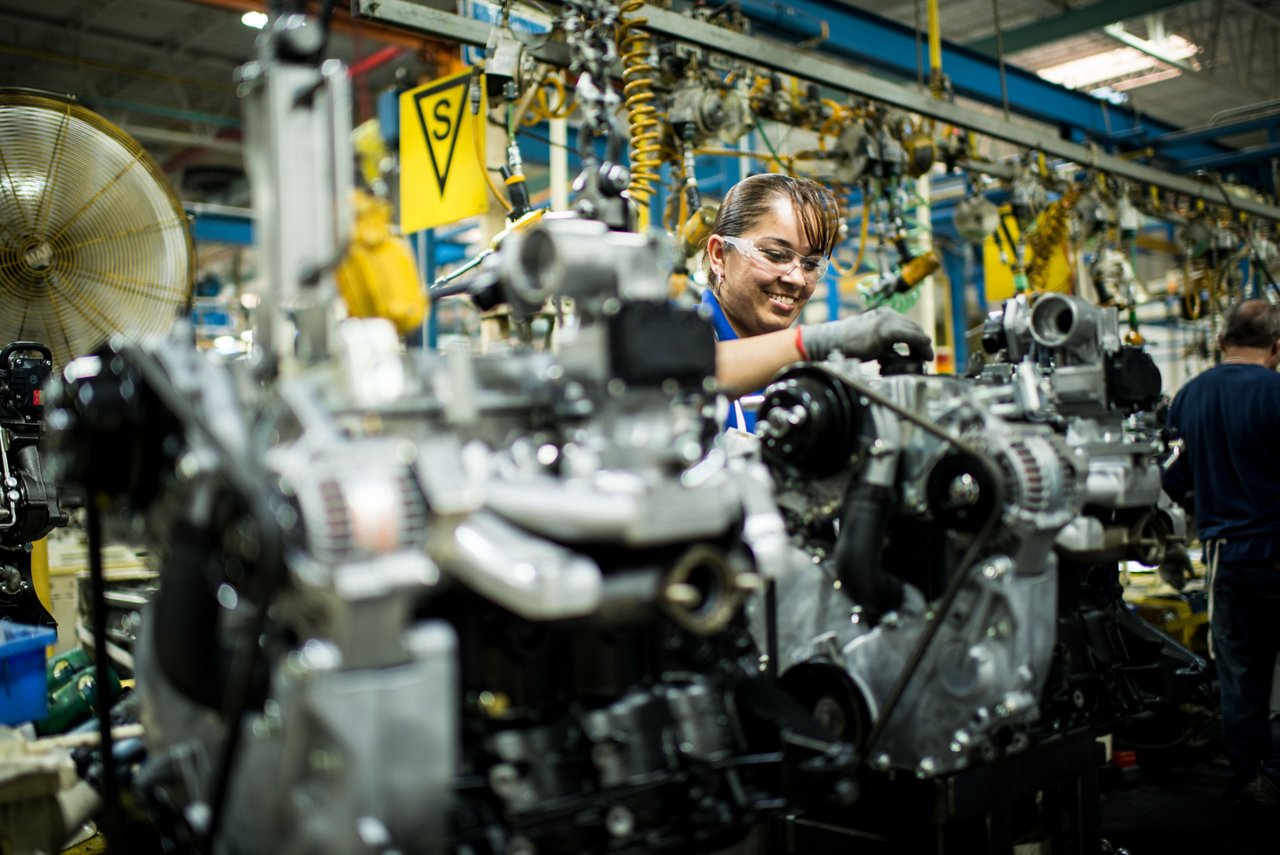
{"type": "Point", "coordinates": [779, 260]}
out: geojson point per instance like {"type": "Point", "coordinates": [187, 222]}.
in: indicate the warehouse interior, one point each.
{"type": "Point", "coordinates": [374, 482]}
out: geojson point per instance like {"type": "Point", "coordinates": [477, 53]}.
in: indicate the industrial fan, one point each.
{"type": "Point", "coordinates": [93, 240]}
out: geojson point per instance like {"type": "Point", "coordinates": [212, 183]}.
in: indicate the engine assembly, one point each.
{"type": "Point", "coordinates": [530, 603]}
{"type": "Point", "coordinates": [928, 604]}
{"type": "Point", "coordinates": [534, 600]}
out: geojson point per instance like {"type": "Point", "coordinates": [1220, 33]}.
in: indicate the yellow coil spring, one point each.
{"type": "Point", "coordinates": [642, 116]}
{"type": "Point", "coordinates": [1048, 234]}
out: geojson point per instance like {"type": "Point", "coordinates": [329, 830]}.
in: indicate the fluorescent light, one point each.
{"type": "Point", "coordinates": [1106, 93]}
{"type": "Point", "coordinates": [1122, 68]}
{"type": "Point", "coordinates": [257, 20]}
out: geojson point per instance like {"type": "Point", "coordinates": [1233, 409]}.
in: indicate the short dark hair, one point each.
{"type": "Point", "coordinates": [1253, 323]}
{"type": "Point", "coordinates": [751, 199]}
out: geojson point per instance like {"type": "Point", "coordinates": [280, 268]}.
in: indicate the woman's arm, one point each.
{"type": "Point", "coordinates": [749, 363]}
{"type": "Point", "coordinates": [744, 365]}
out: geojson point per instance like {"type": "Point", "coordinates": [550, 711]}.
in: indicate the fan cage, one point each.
{"type": "Point", "coordinates": [93, 239]}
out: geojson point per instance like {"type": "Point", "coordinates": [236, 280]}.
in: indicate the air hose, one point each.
{"type": "Point", "coordinates": [634, 46]}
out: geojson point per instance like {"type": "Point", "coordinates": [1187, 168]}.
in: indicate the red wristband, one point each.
{"type": "Point", "coordinates": [800, 345]}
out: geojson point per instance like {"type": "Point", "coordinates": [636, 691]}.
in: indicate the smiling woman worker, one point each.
{"type": "Point", "coordinates": [769, 247]}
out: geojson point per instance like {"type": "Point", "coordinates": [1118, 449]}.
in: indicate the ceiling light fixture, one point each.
{"type": "Point", "coordinates": [1125, 68]}
{"type": "Point", "coordinates": [257, 20]}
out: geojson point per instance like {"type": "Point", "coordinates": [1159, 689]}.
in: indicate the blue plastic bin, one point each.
{"type": "Point", "coordinates": [22, 678]}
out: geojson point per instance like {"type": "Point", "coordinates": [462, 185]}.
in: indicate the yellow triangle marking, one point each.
{"type": "Point", "coordinates": [440, 111]}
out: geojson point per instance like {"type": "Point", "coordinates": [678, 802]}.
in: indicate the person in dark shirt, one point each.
{"type": "Point", "coordinates": [1229, 420]}
{"type": "Point", "coordinates": [769, 247]}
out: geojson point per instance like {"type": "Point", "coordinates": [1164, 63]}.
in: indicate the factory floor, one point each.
{"type": "Point", "coordinates": [1170, 803]}
{"type": "Point", "coordinates": [1177, 805]}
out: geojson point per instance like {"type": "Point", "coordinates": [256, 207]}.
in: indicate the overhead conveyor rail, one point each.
{"type": "Point", "coordinates": [822, 70]}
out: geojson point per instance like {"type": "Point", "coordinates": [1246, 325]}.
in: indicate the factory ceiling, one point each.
{"type": "Point", "coordinates": [163, 69]}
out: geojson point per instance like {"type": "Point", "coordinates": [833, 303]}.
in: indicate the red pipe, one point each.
{"type": "Point", "coordinates": [379, 57]}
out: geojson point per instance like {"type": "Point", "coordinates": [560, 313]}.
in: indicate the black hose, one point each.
{"type": "Point", "coordinates": [102, 695]}
{"type": "Point", "coordinates": [858, 551]}
{"type": "Point", "coordinates": [268, 577]}
{"type": "Point", "coordinates": [186, 620]}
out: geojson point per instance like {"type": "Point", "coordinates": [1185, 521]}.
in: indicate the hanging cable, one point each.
{"type": "Point", "coordinates": [1247, 238]}
{"type": "Point", "coordinates": [1004, 80]}
{"type": "Point", "coordinates": [772, 151]}
{"type": "Point", "coordinates": [477, 135]}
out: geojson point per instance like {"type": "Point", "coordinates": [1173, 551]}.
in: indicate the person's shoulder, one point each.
{"type": "Point", "coordinates": [1193, 390]}
{"type": "Point", "coordinates": [1252, 379]}
{"type": "Point", "coordinates": [1194, 383]}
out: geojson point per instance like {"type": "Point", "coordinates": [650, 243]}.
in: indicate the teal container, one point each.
{"type": "Point", "coordinates": [64, 666]}
{"type": "Point", "coordinates": [75, 701]}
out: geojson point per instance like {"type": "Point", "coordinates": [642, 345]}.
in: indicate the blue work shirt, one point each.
{"type": "Point", "coordinates": [1229, 418]}
{"type": "Point", "coordinates": [725, 332]}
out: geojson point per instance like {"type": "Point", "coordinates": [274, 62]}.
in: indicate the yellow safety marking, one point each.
{"type": "Point", "coordinates": [442, 179]}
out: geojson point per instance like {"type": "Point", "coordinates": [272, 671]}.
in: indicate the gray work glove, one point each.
{"type": "Point", "coordinates": [870, 335]}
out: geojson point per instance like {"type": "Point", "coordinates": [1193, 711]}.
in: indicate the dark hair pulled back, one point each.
{"type": "Point", "coordinates": [753, 198]}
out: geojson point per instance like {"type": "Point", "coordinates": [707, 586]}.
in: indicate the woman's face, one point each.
{"type": "Point", "coordinates": [756, 301]}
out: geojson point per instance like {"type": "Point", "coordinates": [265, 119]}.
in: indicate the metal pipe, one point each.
{"type": "Point", "coordinates": [165, 135]}
{"type": "Point", "coordinates": [96, 102]}
{"type": "Point", "coordinates": [377, 59]}
{"type": "Point", "coordinates": [558, 155]}
{"type": "Point", "coordinates": [1234, 158]}
{"type": "Point", "coordinates": [1212, 131]}
{"type": "Point", "coordinates": [103, 699]}
{"type": "Point", "coordinates": [528, 575]}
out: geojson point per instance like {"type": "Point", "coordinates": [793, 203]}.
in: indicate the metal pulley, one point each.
{"type": "Point", "coordinates": [810, 421]}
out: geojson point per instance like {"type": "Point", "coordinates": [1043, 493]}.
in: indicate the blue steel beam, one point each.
{"type": "Point", "coordinates": [1235, 158]}
{"type": "Point", "coordinates": [220, 227]}
{"type": "Point", "coordinates": [860, 37]}
{"type": "Point", "coordinates": [1073, 23]}
{"type": "Point", "coordinates": [1270, 123]}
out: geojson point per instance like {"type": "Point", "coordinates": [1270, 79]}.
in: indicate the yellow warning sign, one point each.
{"type": "Point", "coordinates": [441, 151]}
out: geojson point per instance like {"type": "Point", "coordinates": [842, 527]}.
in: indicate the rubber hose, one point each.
{"type": "Point", "coordinates": [186, 623]}
{"type": "Point", "coordinates": [858, 550]}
